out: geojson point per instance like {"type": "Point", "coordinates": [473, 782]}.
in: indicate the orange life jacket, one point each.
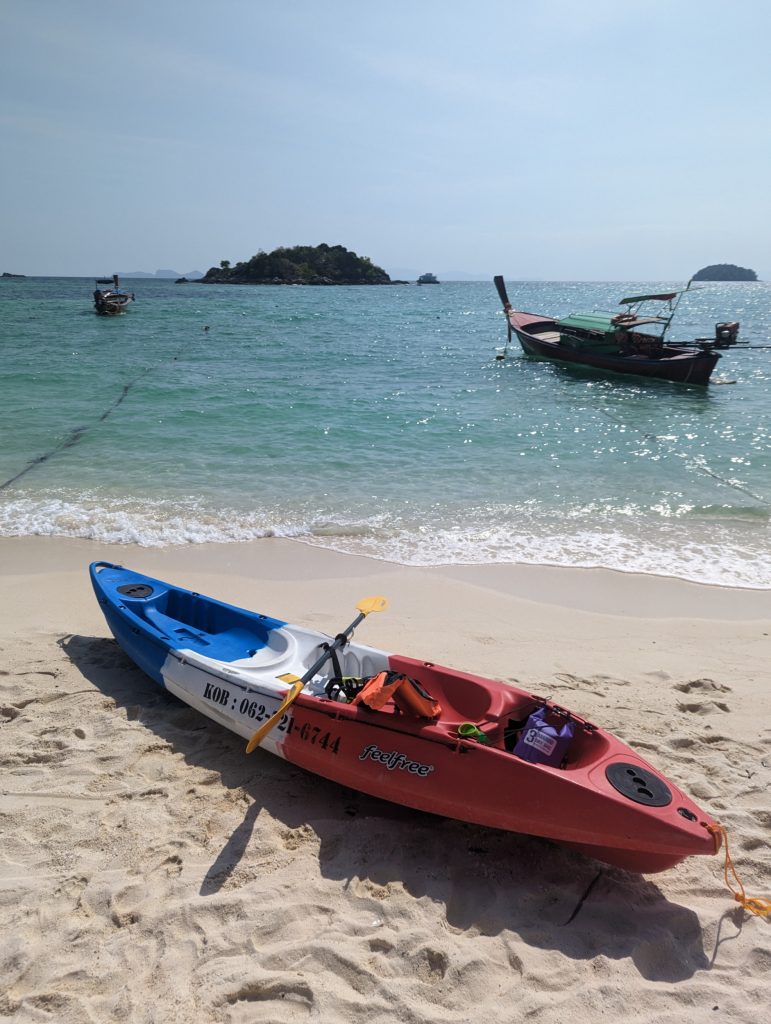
{"type": "Point", "coordinates": [407, 695]}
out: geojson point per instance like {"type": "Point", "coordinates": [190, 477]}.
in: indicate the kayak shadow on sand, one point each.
{"type": "Point", "coordinates": [488, 881]}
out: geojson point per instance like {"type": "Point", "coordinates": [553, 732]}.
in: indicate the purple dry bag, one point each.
{"type": "Point", "coordinates": [543, 743]}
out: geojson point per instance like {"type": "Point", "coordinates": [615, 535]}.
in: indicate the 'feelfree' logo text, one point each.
{"type": "Point", "coordinates": [393, 759]}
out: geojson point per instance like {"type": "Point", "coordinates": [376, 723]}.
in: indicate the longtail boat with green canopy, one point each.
{"type": "Point", "coordinates": [629, 342]}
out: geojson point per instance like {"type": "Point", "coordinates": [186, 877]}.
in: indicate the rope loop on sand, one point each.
{"type": "Point", "coordinates": [758, 905]}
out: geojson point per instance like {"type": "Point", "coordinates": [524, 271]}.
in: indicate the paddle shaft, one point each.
{"type": "Point", "coordinates": [337, 643]}
{"type": "Point", "coordinates": [372, 604]}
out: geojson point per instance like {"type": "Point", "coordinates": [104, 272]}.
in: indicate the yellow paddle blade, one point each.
{"type": "Point", "coordinates": [265, 728]}
{"type": "Point", "coordinates": [372, 604]}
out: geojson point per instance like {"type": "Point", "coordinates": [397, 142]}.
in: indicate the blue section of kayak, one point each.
{"type": "Point", "coordinates": [150, 618]}
{"type": "Point", "coordinates": [145, 650]}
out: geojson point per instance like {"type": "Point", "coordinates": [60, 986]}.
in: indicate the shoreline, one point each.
{"type": "Point", "coordinates": [288, 557]}
{"type": "Point", "coordinates": [473, 617]}
{"type": "Point", "coordinates": [689, 555]}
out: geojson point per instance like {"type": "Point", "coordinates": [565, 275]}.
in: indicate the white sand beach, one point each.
{"type": "Point", "coordinates": [151, 872]}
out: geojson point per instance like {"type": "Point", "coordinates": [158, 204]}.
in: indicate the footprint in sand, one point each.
{"type": "Point", "coordinates": [431, 964]}
{"type": "Point", "coordinates": [703, 707]}
{"type": "Point", "coordinates": [294, 838]}
{"type": "Point", "coordinates": [280, 1003]}
{"type": "Point", "coordinates": [367, 888]}
{"type": "Point", "coordinates": [702, 686]}
{"type": "Point", "coordinates": [659, 675]}
{"type": "Point", "coordinates": [380, 945]}
{"type": "Point", "coordinates": [585, 685]}
{"type": "Point", "coordinates": [681, 742]}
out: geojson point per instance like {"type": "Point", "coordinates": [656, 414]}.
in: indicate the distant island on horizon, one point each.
{"type": "Point", "coordinates": [725, 272]}
{"type": "Point", "coordinates": [324, 264]}
{"type": "Point", "coordinates": [190, 275]}
{"type": "Point", "coordinates": [301, 264]}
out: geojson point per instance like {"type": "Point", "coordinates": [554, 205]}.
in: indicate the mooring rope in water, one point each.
{"type": "Point", "coordinates": [691, 461]}
{"type": "Point", "coordinates": [78, 433]}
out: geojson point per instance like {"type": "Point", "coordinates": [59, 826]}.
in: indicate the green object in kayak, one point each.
{"type": "Point", "coordinates": [468, 731]}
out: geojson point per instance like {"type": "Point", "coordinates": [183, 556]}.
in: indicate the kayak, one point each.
{"type": "Point", "coordinates": [405, 730]}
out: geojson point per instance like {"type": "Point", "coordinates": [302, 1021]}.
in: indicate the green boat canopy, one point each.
{"type": "Point", "coordinates": [600, 322]}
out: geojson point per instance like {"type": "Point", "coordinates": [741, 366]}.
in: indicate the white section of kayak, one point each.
{"type": "Point", "coordinates": [243, 694]}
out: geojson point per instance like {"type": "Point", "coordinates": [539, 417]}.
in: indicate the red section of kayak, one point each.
{"type": "Point", "coordinates": [426, 765]}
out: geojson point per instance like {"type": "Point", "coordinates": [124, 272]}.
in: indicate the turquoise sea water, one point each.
{"type": "Point", "coordinates": [378, 421]}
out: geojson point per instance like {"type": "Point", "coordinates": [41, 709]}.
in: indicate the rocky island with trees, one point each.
{"type": "Point", "coordinates": [725, 272]}
{"type": "Point", "coordinates": [301, 264]}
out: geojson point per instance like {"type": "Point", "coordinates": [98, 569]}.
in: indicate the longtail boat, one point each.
{"type": "Point", "coordinates": [629, 342]}
{"type": "Point", "coordinates": [111, 301]}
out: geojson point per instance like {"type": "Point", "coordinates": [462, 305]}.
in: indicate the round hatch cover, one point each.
{"type": "Point", "coordinates": [135, 590]}
{"type": "Point", "coordinates": [638, 784]}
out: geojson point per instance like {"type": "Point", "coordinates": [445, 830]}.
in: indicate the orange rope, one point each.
{"type": "Point", "coordinates": [754, 904]}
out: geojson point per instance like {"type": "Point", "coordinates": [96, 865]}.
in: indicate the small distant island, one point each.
{"type": "Point", "coordinates": [725, 272]}
{"type": "Point", "coordinates": [6, 274]}
{"type": "Point", "coordinates": [301, 264]}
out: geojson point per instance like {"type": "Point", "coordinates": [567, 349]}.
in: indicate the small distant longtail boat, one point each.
{"type": "Point", "coordinates": [405, 730]}
{"type": "Point", "coordinates": [111, 301]}
{"type": "Point", "coordinates": [629, 342]}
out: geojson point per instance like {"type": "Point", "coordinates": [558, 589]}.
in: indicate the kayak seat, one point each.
{"type": "Point", "coordinates": [464, 697]}
{"type": "Point", "coordinates": [171, 628]}
{"type": "Point", "coordinates": [281, 646]}
{"type": "Point", "coordinates": [238, 644]}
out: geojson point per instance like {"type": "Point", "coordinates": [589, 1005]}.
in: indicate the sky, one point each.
{"type": "Point", "coordinates": [556, 140]}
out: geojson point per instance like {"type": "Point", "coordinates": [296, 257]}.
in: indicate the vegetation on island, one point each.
{"type": "Point", "coordinates": [301, 264]}
{"type": "Point", "coordinates": [725, 272]}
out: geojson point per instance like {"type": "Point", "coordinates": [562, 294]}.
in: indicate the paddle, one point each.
{"type": "Point", "coordinates": [501, 288]}
{"type": "Point", "coordinates": [364, 607]}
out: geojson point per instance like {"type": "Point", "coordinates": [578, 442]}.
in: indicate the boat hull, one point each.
{"type": "Point", "coordinates": [227, 663]}
{"type": "Point", "coordinates": [112, 305]}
